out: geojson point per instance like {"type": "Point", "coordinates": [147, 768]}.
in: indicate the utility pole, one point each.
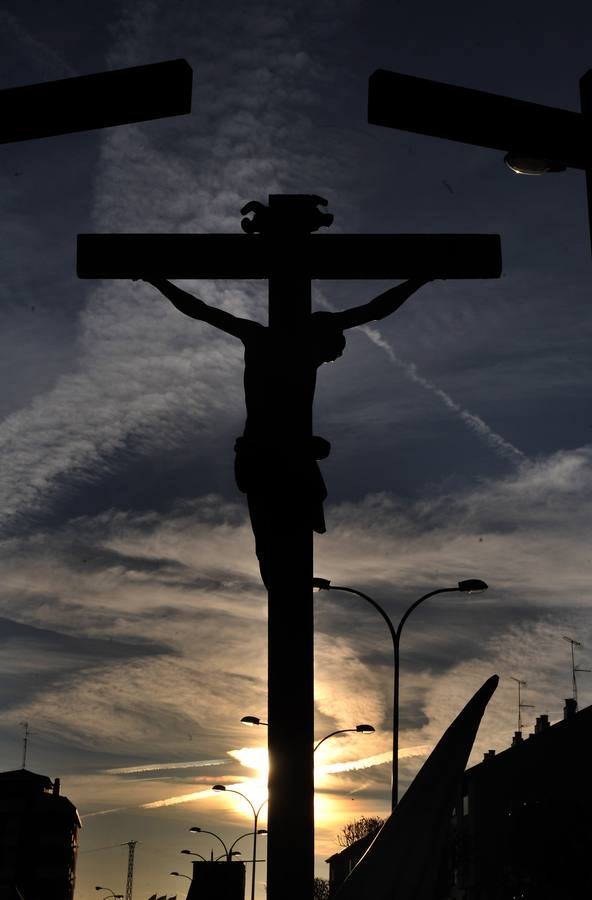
{"type": "Point", "coordinates": [279, 247]}
{"type": "Point", "coordinates": [130, 867]}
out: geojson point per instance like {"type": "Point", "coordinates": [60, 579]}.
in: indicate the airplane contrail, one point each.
{"type": "Point", "coordinates": [331, 769]}
{"type": "Point", "coordinates": [156, 767]}
{"type": "Point", "coordinates": [480, 428]}
{"type": "Point", "coordinates": [367, 762]}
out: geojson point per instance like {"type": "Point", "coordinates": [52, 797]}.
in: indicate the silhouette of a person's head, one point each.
{"type": "Point", "coordinates": [328, 341]}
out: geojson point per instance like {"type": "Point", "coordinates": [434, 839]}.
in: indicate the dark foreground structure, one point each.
{"type": "Point", "coordinates": [217, 880]}
{"type": "Point", "coordinates": [38, 838]}
{"type": "Point", "coordinates": [522, 827]}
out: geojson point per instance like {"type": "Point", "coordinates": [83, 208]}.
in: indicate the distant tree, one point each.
{"type": "Point", "coordinates": [361, 827]}
{"type": "Point", "coordinates": [320, 889]}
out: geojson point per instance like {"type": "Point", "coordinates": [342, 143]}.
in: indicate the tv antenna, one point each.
{"type": "Point", "coordinates": [25, 725]}
{"type": "Point", "coordinates": [574, 668]}
{"type": "Point", "coordinates": [521, 705]}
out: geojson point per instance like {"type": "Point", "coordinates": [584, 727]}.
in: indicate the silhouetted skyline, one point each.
{"type": "Point", "coordinates": [460, 429]}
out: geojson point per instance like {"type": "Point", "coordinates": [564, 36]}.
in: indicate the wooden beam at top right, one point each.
{"type": "Point", "coordinates": [455, 113]}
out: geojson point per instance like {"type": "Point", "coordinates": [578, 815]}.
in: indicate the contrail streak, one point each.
{"type": "Point", "coordinates": [157, 767]}
{"type": "Point", "coordinates": [180, 798]}
{"type": "Point", "coordinates": [475, 423]}
{"type": "Point", "coordinates": [367, 762]}
{"type": "Point", "coordinates": [353, 765]}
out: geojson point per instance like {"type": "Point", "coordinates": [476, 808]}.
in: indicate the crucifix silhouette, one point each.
{"type": "Point", "coordinates": [278, 453]}
{"type": "Point", "coordinates": [95, 101]}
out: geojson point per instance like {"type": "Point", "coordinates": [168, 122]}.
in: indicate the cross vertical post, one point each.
{"type": "Point", "coordinates": [290, 597]}
{"type": "Point", "coordinates": [290, 603]}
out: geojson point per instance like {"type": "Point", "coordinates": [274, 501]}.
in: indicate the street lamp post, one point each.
{"type": "Point", "coordinates": [180, 875]}
{"type": "Point", "coordinates": [230, 853]}
{"type": "Point", "coordinates": [468, 586]}
{"type": "Point", "coordinates": [196, 830]}
{"type": "Point", "coordinates": [241, 836]}
{"type": "Point", "coordinates": [255, 832]}
{"type": "Point", "coordinates": [361, 729]}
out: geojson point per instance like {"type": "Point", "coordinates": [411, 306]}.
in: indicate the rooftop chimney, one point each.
{"type": "Point", "coordinates": [56, 787]}
{"type": "Point", "coordinates": [570, 708]}
{"type": "Point", "coordinates": [488, 755]}
{"type": "Point", "coordinates": [541, 724]}
{"type": "Point", "coordinates": [517, 739]}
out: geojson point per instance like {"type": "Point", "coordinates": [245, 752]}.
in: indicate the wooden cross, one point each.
{"type": "Point", "coordinates": [286, 254]}
{"type": "Point", "coordinates": [95, 101]}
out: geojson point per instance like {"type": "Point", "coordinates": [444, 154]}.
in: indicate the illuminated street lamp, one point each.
{"type": "Point", "coordinates": [255, 832]}
{"type": "Point", "coordinates": [361, 729]}
{"type": "Point", "coordinates": [253, 720]}
{"type": "Point", "coordinates": [110, 894]}
{"type": "Point", "coordinates": [191, 853]}
{"type": "Point", "coordinates": [231, 852]}
{"type": "Point", "coordinates": [471, 585]}
{"type": "Point", "coordinates": [196, 830]}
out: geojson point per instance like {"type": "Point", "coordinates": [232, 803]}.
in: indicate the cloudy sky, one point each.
{"type": "Point", "coordinates": [132, 616]}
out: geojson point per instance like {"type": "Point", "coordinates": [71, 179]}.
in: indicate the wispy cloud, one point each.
{"type": "Point", "coordinates": [161, 767]}
{"type": "Point", "coordinates": [369, 762]}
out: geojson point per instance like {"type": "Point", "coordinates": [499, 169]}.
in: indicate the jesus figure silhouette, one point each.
{"type": "Point", "coordinates": [256, 451]}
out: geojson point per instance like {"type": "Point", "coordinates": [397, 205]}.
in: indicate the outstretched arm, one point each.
{"type": "Point", "coordinates": [197, 309]}
{"type": "Point", "coordinates": [380, 307]}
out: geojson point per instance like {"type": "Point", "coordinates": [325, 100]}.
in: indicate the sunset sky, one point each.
{"type": "Point", "coordinates": [132, 617]}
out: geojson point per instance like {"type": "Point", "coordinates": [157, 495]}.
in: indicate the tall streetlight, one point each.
{"type": "Point", "coordinates": [255, 832]}
{"type": "Point", "coordinates": [361, 729]}
{"type": "Point", "coordinates": [468, 586]}
{"type": "Point", "coordinates": [231, 852]}
{"type": "Point", "coordinates": [196, 830]}
{"type": "Point", "coordinates": [110, 894]}
{"type": "Point", "coordinates": [181, 875]}
{"type": "Point", "coordinates": [241, 836]}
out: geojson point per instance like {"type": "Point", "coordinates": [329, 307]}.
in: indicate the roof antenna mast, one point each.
{"type": "Point", "coordinates": [521, 705]}
{"type": "Point", "coordinates": [25, 725]}
{"type": "Point", "coordinates": [574, 668]}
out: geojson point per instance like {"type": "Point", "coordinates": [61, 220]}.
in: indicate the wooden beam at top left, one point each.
{"type": "Point", "coordinates": [120, 97]}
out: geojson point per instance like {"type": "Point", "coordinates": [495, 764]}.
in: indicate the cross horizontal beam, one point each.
{"type": "Point", "coordinates": [335, 256]}
{"type": "Point", "coordinates": [476, 117]}
{"type": "Point", "coordinates": [94, 101]}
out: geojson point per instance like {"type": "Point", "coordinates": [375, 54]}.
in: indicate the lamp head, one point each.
{"type": "Point", "coordinates": [262, 831]}
{"type": "Point", "coordinates": [472, 586]}
{"type": "Point", "coordinates": [251, 720]}
{"type": "Point", "coordinates": [528, 165]}
{"type": "Point", "coordinates": [173, 873]}
{"type": "Point", "coordinates": [218, 787]}
{"type": "Point", "coordinates": [195, 829]}
{"type": "Point", "coordinates": [321, 584]}
{"type": "Point", "coordinates": [365, 729]}
{"type": "Point", "coordinates": [185, 851]}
